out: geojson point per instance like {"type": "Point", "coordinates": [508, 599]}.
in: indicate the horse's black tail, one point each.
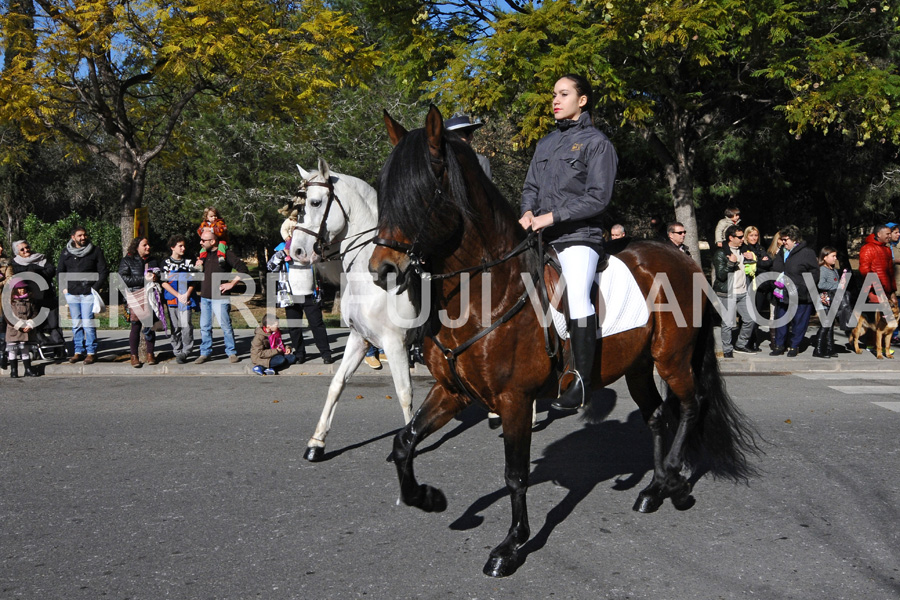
{"type": "Point", "coordinates": [723, 437]}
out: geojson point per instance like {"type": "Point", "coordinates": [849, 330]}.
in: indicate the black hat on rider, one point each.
{"type": "Point", "coordinates": [462, 121]}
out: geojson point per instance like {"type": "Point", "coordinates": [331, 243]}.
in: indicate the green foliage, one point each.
{"type": "Point", "coordinates": [51, 238]}
{"type": "Point", "coordinates": [113, 79]}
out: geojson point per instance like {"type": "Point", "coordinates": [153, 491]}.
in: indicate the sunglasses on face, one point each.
{"type": "Point", "coordinates": [679, 232]}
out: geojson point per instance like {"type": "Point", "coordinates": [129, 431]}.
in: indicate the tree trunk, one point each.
{"type": "Point", "coordinates": [133, 177]}
{"type": "Point", "coordinates": [678, 168]}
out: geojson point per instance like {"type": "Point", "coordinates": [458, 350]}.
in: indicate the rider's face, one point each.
{"type": "Point", "coordinates": [567, 104]}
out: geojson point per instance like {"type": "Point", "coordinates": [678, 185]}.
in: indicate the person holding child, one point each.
{"type": "Point", "coordinates": [214, 223]}
{"type": "Point", "coordinates": [20, 332]}
{"type": "Point", "coordinates": [267, 350]}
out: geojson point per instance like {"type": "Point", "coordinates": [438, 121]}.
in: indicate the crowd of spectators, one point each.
{"type": "Point", "coordinates": [752, 282]}
{"type": "Point", "coordinates": [159, 296]}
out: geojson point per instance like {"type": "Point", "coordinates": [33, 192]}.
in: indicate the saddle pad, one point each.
{"type": "Point", "coordinates": [622, 304]}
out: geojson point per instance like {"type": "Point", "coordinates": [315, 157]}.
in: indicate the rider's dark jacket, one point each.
{"type": "Point", "coordinates": [572, 175]}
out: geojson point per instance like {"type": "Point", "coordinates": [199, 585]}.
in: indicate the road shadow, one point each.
{"type": "Point", "coordinates": [334, 454]}
{"type": "Point", "coordinates": [469, 417]}
{"type": "Point", "coordinates": [600, 451]}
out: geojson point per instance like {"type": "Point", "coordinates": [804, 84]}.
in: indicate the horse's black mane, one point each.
{"type": "Point", "coordinates": [407, 186]}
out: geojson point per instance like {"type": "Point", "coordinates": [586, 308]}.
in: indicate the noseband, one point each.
{"type": "Point", "coordinates": [321, 236]}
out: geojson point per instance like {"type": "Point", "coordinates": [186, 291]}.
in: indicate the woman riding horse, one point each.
{"type": "Point", "coordinates": [568, 187]}
{"type": "Point", "coordinates": [440, 218]}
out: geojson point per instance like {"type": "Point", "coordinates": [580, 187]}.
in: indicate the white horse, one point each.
{"type": "Point", "coordinates": [340, 217]}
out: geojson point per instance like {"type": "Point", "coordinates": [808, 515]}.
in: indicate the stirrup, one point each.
{"type": "Point", "coordinates": [578, 381]}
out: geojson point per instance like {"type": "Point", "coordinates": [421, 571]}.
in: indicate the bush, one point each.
{"type": "Point", "coordinates": [50, 238]}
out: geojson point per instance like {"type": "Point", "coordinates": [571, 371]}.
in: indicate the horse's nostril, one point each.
{"type": "Point", "coordinates": [386, 272]}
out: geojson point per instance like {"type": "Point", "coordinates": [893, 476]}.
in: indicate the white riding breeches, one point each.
{"type": "Point", "coordinates": [579, 267]}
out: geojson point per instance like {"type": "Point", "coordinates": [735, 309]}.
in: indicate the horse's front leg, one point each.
{"type": "Point", "coordinates": [515, 413]}
{"type": "Point", "coordinates": [398, 358]}
{"type": "Point", "coordinates": [354, 352]}
{"type": "Point", "coordinates": [439, 407]}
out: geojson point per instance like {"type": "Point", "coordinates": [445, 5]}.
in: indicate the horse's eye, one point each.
{"type": "Point", "coordinates": [316, 203]}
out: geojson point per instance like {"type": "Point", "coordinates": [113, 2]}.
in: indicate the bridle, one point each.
{"type": "Point", "coordinates": [321, 236]}
{"type": "Point", "coordinates": [417, 259]}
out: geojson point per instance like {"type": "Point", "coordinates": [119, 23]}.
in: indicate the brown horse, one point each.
{"type": "Point", "coordinates": [440, 215]}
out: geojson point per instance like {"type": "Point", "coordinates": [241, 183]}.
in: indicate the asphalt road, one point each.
{"type": "Point", "coordinates": [195, 487]}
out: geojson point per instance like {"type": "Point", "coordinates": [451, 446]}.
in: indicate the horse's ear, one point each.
{"type": "Point", "coordinates": [434, 130]}
{"type": "Point", "coordinates": [303, 173]}
{"type": "Point", "coordinates": [396, 131]}
{"type": "Point", "coordinates": [324, 169]}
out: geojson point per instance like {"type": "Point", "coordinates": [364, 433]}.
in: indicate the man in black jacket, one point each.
{"type": "Point", "coordinates": [81, 269]}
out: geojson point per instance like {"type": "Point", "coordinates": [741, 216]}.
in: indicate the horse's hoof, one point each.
{"type": "Point", "coordinates": [430, 499]}
{"type": "Point", "coordinates": [314, 453]}
{"type": "Point", "coordinates": [501, 566]}
{"type": "Point", "coordinates": [494, 422]}
{"type": "Point", "coordinates": [683, 501]}
{"type": "Point", "coordinates": [647, 503]}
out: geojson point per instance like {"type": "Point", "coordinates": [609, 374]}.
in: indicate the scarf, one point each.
{"type": "Point", "coordinates": [35, 258]}
{"type": "Point", "coordinates": [275, 342]}
{"type": "Point", "coordinates": [79, 252]}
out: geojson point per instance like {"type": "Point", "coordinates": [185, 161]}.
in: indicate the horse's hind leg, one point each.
{"type": "Point", "coordinates": [504, 559]}
{"type": "Point", "coordinates": [674, 484]}
{"type": "Point", "coordinates": [353, 355]}
{"type": "Point", "coordinates": [439, 407]}
{"type": "Point", "coordinates": [642, 388]}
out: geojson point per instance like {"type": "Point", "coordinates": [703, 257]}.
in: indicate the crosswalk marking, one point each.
{"type": "Point", "coordinates": [890, 381]}
{"type": "Point", "coordinates": [865, 389]}
{"type": "Point", "coordinates": [866, 375]}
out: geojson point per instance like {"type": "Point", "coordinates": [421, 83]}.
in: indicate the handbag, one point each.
{"type": "Point", "coordinates": [283, 296]}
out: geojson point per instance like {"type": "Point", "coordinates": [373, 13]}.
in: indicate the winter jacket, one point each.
{"type": "Point", "coordinates": [723, 270]}
{"type": "Point", "coordinates": [219, 229]}
{"type": "Point", "coordinates": [92, 262]}
{"type": "Point", "coordinates": [261, 352]}
{"type": "Point", "coordinates": [572, 175]}
{"type": "Point", "coordinates": [763, 262]}
{"type": "Point", "coordinates": [802, 259]}
{"type": "Point", "coordinates": [132, 270]}
{"type": "Point", "coordinates": [45, 271]}
{"type": "Point", "coordinates": [875, 257]}
{"type": "Point", "coordinates": [23, 313]}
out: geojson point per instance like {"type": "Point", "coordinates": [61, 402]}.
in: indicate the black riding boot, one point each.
{"type": "Point", "coordinates": [584, 346]}
{"type": "Point", "coordinates": [4, 359]}
{"type": "Point", "coordinates": [829, 343]}
{"type": "Point", "coordinates": [28, 371]}
{"type": "Point", "coordinates": [14, 369]}
{"type": "Point", "coordinates": [821, 350]}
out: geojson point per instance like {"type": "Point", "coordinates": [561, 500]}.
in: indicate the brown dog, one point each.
{"type": "Point", "coordinates": [882, 328]}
